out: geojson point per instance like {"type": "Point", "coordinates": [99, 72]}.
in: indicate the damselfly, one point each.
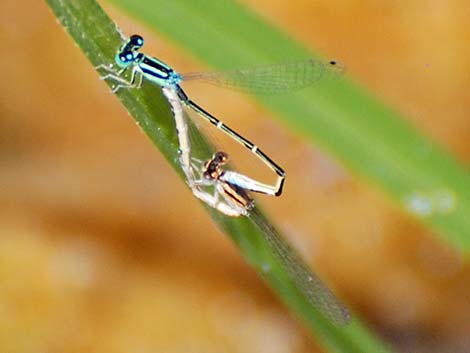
{"type": "Point", "coordinates": [230, 195]}
{"type": "Point", "coordinates": [230, 189]}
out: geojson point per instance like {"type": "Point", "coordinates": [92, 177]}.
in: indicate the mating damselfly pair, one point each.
{"type": "Point", "coordinates": [229, 190]}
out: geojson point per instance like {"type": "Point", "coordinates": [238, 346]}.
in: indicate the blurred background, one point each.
{"type": "Point", "coordinates": [104, 249]}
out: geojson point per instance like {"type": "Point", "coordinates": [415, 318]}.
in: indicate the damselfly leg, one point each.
{"type": "Point", "coordinates": [136, 80]}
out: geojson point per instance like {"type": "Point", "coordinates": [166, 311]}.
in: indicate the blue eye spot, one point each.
{"type": "Point", "coordinates": [136, 40]}
{"type": "Point", "coordinates": [129, 56]}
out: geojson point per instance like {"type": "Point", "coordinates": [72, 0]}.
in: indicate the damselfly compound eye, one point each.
{"type": "Point", "coordinates": [136, 40]}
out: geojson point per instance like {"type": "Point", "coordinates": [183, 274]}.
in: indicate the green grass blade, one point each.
{"type": "Point", "coordinates": [97, 36]}
{"type": "Point", "coordinates": [371, 139]}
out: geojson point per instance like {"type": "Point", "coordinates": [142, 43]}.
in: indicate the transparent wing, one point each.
{"type": "Point", "coordinates": [277, 78]}
{"type": "Point", "coordinates": [311, 286]}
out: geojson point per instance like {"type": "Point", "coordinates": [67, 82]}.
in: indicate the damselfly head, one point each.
{"type": "Point", "coordinates": [220, 158]}
{"type": "Point", "coordinates": [128, 51]}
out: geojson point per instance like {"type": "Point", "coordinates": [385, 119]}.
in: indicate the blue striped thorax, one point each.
{"type": "Point", "coordinates": [158, 72]}
{"type": "Point", "coordinates": [152, 69]}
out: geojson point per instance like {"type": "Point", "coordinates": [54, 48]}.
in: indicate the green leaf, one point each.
{"type": "Point", "coordinates": [369, 138]}
{"type": "Point", "coordinates": [98, 38]}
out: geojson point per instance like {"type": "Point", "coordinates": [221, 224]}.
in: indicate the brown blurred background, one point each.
{"type": "Point", "coordinates": [103, 248]}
